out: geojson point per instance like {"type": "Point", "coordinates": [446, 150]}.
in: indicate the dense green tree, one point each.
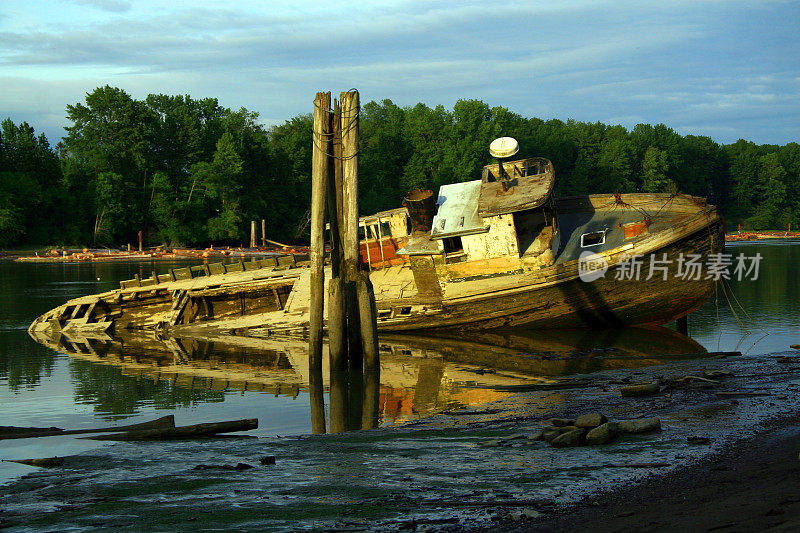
{"type": "Point", "coordinates": [189, 171]}
{"type": "Point", "coordinates": [384, 155]}
{"type": "Point", "coordinates": [34, 202]}
{"type": "Point", "coordinates": [654, 171]}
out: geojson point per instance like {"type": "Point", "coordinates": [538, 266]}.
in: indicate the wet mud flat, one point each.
{"type": "Point", "coordinates": [470, 469]}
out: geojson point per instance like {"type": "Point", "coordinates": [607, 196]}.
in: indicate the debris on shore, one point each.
{"type": "Point", "coordinates": [586, 430]}
{"type": "Point", "coordinates": [70, 255]}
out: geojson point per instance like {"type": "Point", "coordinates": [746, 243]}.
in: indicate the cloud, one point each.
{"type": "Point", "coordinates": [683, 63]}
{"type": "Point", "coordinates": [114, 6]}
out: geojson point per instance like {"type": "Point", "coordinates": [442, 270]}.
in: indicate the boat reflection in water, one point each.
{"type": "Point", "coordinates": [418, 375]}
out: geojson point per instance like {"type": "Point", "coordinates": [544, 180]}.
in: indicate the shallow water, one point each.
{"type": "Point", "coordinates": [40, 386]}
{"type": "Point", "coordinates": [754, 317]}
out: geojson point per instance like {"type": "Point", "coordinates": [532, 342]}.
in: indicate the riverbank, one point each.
{"type": "Point", "coordinates": [761, 235]}
{"type": "Point", "coordinates": [58, 255]}
{"type": "Point", "coordinates": [752, 485]}
{"type": "Point", "coordinates": [466, 469]}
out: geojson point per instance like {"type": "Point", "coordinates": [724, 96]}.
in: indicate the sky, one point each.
{"type": "Point", "coordinates": [724, 69]}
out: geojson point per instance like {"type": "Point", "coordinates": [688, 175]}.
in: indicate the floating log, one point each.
{"type": "Point", "coordinates": [539, 386]}
{"type": "Point", "coordinates": [744, 393]}
{"type": "Point", "coordinates": [11, 432]}
{"type": "Point", "coordinates": [184, 432]}
{"type": "Point", "coordinates": [644, 389]}
{"type": "Point", "coordinates": [237, 467]}
{"type": "Point", "coordinates": [46, 462]}
{"type": "Point", "coordinates": [637, 465]}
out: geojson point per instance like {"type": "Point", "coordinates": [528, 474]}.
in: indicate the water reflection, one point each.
{"type": "Point", "coordinates": [417, 376]}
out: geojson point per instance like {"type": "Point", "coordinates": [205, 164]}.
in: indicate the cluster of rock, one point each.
{"type": "Point", "coordinates": [592, 429]}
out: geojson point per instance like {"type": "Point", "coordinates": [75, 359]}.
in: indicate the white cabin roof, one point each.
{"type": "Point", "coordinates": [458, 211]}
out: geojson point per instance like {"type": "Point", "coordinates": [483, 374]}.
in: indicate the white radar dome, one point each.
{"type": "Point", "coordinates": [503, 147]}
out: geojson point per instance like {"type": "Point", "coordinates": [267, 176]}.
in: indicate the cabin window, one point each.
{"type": "Point", "coordinates": [405, 310]}
{"type": "Point", "coordinates": [594, 238]}
{"type": "Point", "coordinates": [386, 229]}
{"type": "Point", "coordinates": [453, 245]}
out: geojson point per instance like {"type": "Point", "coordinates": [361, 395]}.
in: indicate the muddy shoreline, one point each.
{"type": "Point", "coordinates": [438, 472]}
{"type": "Point", "coordinates": [751, 485]}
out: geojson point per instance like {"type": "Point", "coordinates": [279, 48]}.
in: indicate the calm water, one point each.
{"type": "Point", "coordinates": [41, 386]}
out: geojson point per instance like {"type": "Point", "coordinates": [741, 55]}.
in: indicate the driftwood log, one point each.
{"type": "Point", "coordinates": [184, 432]}
{"type": "Point", "coordinates": [46, 462]}
{"type": "Point", "coordinates": [12, 432]}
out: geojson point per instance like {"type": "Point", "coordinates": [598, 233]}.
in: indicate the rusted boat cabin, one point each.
{"type": "Point", "coordinates": [483, 227]}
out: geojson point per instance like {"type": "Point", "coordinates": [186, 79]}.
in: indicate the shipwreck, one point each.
{"type": "Point", "coordinates": [496, 252]}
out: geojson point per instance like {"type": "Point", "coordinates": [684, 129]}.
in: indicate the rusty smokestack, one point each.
{"type": "Point", "coordinates": [421, 205]}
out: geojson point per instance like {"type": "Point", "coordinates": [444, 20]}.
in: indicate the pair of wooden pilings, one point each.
{"type": "Point", "coordinates": [352, 315]}
{"type": "Point", "coordinates": [253, 236]}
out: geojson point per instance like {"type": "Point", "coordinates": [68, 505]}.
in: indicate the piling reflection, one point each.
{"type": "Point", "coordinates": [416, 376]}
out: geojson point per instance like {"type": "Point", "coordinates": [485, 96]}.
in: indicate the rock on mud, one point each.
{"type": "Point", "coordinates": [538, 435]}
{"type": "Point", "coordinates": [570, 438]}
{"type": "Point", "coordinates": [548, 434]}
{"type": "Point", "coordinates": [524, 514]}
{"type": "Point", "coordinates": [492, 443]}
{"type": "Point", "coordinates": [603, 434]}
{"type": "Point", "coordinates": [591, 420]}
{"type": "Point", "coordinates": [641, 425]}
{"type": "Point", "coordinates": [561, 422]}
{"type": "Point", "coordinates": [717, 374]}
{"type": "Point", "coordinates": [644, 389]}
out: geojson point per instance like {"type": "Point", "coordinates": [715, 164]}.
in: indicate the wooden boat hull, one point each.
{"type": "Point", "coordinates": [605, 302]}
{"type": "Point", "coordinates": [496, 293]}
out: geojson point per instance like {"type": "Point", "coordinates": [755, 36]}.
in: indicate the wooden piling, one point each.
{"type": "Point", "coordinates": [349, 103]}
{"type": "Point", "coordinates": [337, 325]}
{"type": "Point", "coordinates": [352, 317]}
{"type": "Point", "coordinates": [263, 233]}
{"type": "Point", "coordinates": [350, 242]}
{"type": "Point", "coordinates": [335, 189]}
{"type": "Point", "coordinates": [368, 315]}
{"type": "Point", "coordinates": [319, 178]}
{"type": "Point", "coordinates": [317, 396]}
{"type": "Point", "coordinates": [370, 412]}
{"type": "Point", "coordinates": [337, 320]}
{"type": "Point", "coordinates": [338, 401]}
{"type": "Point", "coordinates": [252, 234]}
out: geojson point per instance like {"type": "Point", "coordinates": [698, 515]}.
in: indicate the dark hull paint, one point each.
{"type": "Point", "coordinates": [605, 302]}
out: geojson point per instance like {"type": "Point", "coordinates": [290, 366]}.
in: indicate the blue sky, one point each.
{"type": "Point", "coordinates": [726, 69]}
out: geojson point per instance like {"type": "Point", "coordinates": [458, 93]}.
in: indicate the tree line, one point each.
{"type": "Point", "coordinates": [190, 172]}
